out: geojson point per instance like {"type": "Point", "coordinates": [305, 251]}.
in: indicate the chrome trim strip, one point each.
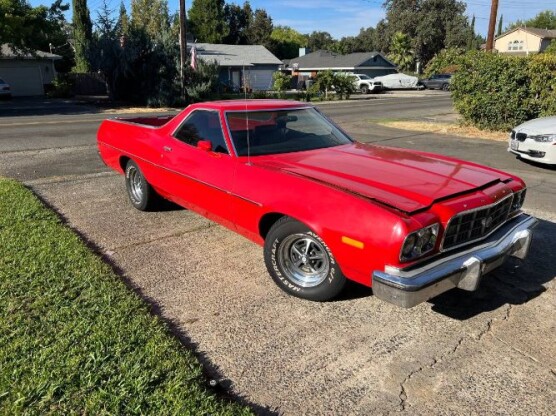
{"type": "Point", "coordinates": [443, 250]}
{"type": "Point", "coordinates": [133, 156]}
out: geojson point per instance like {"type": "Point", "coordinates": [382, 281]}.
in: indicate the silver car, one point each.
{"type": "Point", "coordinates": [535, 140]}
{"type": "Point", "coordinates": [5, 89]}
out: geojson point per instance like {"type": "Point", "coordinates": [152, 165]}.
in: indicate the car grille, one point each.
{"type": "Point", "coordinates": [518, 136]}
{"type": "Point", "coordinates": [473, 225]}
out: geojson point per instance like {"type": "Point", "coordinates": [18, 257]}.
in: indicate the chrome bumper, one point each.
{"type": "Point", "coordinates": [464, 269]}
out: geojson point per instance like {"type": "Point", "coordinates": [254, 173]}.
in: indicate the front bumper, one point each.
{"type": "Point", "coordinates": [464, 269]}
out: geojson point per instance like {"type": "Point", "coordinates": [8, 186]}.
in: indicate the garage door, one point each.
{"type": "Point", "coordinates": [24, 81]}
{"type": "Point", "coordinates": [261, 79]}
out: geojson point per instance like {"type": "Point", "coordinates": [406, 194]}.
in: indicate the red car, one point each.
{"type": "Point", "coordinates": [326, 208]}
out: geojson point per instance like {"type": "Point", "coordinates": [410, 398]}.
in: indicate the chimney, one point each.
{"type": "Point", "coordinates": [304, 51]}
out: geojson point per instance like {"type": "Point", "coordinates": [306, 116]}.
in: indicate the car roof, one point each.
{"type": "Point", "coordinates": [251, 105]}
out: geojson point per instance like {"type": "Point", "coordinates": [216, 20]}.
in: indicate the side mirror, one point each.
{"type": "Point", "coordinates": [204, 145]}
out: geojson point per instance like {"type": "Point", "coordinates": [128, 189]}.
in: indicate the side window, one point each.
{"type": "Point", "coordinates": [202, 125]}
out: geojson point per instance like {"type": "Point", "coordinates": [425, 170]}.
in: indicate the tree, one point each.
{"type": "Point", "coordinates": [286, 42]}
{"type": "Point", "coordinates": [260, 29]}
{"type": "Point", "coordinates": [543, 20]}
{"type": "Point", "coordinates": [237, 20]}
{"type": "Point", "coordinates": [500, 23]}
{"type": "Point", "coordinates": [319, 40]}
{"type": "Point", "coordinates": [123, 21]}
{"type": "Point", "coordinates": [82, 35]}
{"type": "Point", "coordinates": [28, 28]}
{"type": "Point", "coordinates": [551, 48]}
{"type": "Point", "coordinates": [400, 52]}
{"type": "Point", "coordinates": [208, 21]}
{"type": "Point", "coordinates": [432, 25]}
{"type": "Point", "coordinates": [151, 16]}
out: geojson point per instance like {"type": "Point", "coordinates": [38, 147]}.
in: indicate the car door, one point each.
{"type": "Point", "coordinates": [201, 179]}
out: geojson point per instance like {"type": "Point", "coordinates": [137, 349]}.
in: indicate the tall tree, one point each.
{"type": "Point", "coordinates": [286, 42]}
{"type": "Point", "coordinates": [430, 24]}
{"type": "Point", "coordinates": [82, 35]}
{"type": "Point", "coordinates": [400, 52]}
{"type": "Point", "coordinates": [319, 40]}
{"type": "Point", "coordinates": [260, 29]}
{"type": "Point", "coordinates": [123, 20]}
{"type": "Point", "coordinates": [500, 23]}
{"type": "Point", "coordinates": [208, 21]}
{"type": "Point", "coordinates": [237, 20]}
{"type": "Point", "coordinates": [544, 20]}
{"type": "Point", "coordinates": [152, 16]}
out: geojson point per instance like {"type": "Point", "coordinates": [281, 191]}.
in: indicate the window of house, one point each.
{"type": "Point", "coordinates": [202, 125]}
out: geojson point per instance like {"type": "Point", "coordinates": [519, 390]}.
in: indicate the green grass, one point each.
{"type": "Point", "coordinates": [73, 338]}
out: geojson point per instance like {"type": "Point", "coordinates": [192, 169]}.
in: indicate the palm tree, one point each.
{"type": "Point", "coordinates": [400, 51]}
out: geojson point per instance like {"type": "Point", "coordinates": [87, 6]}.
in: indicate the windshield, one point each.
{"type": "Point", "coordinates": [282, 131]}
{"type": "Point", "coordinates": [363, 76]}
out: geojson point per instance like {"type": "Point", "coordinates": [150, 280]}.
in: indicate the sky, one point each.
{"type": "Point", "coordinates": [345, 17]}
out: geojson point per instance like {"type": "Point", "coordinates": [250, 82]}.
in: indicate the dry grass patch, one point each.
{"type": "Point", "coordinates": [447, 128]}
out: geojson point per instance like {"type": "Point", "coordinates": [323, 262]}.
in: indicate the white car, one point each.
{"type": "Point", "coordinates": [398, 81]}
{"type": "Point", "coordinates": [535, 140]}
{"type": "Point", "coordinates": [365, 84]}
{"type": "Point", "coordinates": [5, 90]}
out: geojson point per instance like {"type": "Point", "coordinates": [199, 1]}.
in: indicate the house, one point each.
{"type": "Point", "coordinates": [249, 66]}
{"type": "Point", "coordinates": [27, 73]}
{"type": "Point", "coordinates": [372, 64]}
{"type": "Point", "coordinates": [524, 40]}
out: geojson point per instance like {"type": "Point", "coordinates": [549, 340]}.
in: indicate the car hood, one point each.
{"type": "Point", "coordinates": [406, 180]}
{"type": "Point", "coordinates": [543, 125]}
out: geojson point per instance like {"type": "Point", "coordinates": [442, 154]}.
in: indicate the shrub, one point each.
{"type": "Point", "coordinates": [542, 73]}
{"type": "Point", "coordinates": [344, 85]}
{"type": "Point", "coordinates": [282, 82]}
{"type": "Point", "coordinates": [492, 91]}
{"type": "Point", "coordinates": [446, 61]}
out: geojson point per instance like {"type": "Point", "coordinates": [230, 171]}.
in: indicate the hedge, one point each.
{"type": "Point", "coordinates": [497, 92]}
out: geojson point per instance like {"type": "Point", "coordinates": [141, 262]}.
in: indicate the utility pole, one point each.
{"type": "Point", "coordinates": [492, 25]}
{"type": "Point", "coordinates": [183, 46]}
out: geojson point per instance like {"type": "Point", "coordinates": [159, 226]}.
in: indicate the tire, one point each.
{"type": "Point", "coordinates": [364, 89]}
{"type": "Point", "coordinates": [141, 194]}
{"type": "Point", "coordinates": [301, 263]}
{"type": "Point", "coordinates": [445, 87]}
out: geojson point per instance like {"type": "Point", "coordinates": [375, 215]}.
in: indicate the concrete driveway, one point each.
{"type": "Point", "coordinates": [487, 352]}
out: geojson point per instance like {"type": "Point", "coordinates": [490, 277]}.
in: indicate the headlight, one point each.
{"type": "Point", "coordinates": [544, 138]}
{"type": "Point", "coordinates": [419, 242]}
{"type": "Point", "coordinates": [519, 199]}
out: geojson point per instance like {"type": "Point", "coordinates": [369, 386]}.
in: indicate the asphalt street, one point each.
{"type": "Point", "coordinates": [486, 352]}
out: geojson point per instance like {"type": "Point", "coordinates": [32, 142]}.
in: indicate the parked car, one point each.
{"type": "Point", "coordinates": [5, 89]}
{"type": "Point", "coordinates": [365, 84]}
{"type": "Point", "coordinates": [398, 81]}
{"type": "Point", "coordinates": [325, 208]}
{"type": "Point", "coordinates": [439, 81]}
{"type": "Point", "coordinates": [535, 140]}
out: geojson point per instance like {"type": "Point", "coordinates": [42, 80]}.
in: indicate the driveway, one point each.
{"type": "Point", "coordinates": [486, 352]}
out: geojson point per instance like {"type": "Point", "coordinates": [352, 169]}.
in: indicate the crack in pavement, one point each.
{"type": "Point", "coordinates": [523, 353]}
{"type": "Point", "coordinates": [403, 393]}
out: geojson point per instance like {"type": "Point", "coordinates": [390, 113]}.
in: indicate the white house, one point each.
{"type": "Point", "coordinates": [27, 73]}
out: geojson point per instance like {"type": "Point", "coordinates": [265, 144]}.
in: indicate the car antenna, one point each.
{"type": "Point", "coordinates": [246, 119]}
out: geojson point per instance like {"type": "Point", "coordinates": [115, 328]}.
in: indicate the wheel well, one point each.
{"type": "Point", "coordinates": [267, 221]}
{"type": "Point", "coordinates": [123, 162]}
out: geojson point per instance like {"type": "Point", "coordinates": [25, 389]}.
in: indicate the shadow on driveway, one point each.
{"type": "Point", "coordinates": [514, 283]}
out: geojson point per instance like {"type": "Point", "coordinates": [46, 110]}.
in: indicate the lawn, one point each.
{"type": "Point", "coordinates": [74, 339]}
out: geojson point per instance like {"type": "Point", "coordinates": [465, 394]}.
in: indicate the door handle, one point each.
{"type": "Point", "coordinates": [167, 148]}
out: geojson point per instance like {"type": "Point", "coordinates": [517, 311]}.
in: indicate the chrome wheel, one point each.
{"type": "Point", "coordinates": [135, 184]}
{"type": "Point", "coordinates": [304, 260]}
